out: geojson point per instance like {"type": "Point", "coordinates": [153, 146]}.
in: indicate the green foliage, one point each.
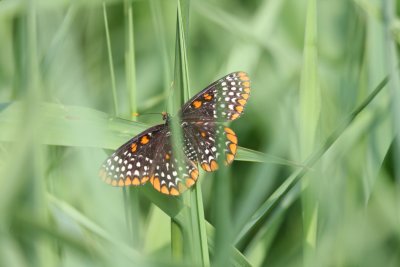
{"type": "Point", "coordinates": [315, 181]}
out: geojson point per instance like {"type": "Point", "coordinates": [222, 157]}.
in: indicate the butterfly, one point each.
{"type": "Point", "coordinates": [149, 156]}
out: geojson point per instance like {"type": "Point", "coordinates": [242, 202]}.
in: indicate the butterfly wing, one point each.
{"type": "Point", "coordinates": [210, 139]}
{"type": "Point", "coordinates": [149, 156]}
{"type": "Point", "coordinates": [172, 175]}
{"type": "Point", "coordinates": [131, 163]}
{"type": "Point", "coordinates": [223, 100]}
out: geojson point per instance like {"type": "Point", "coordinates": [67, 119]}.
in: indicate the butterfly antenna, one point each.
{"type": "Point", "coordinates": [136, 114]}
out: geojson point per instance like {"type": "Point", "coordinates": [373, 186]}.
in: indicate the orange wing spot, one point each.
{"type": "Point", "coordinates": [203, 134]}
{"type": "Point", "coordinates": [246, 84]}
{"type": "Point", "coordinates": [245, 96]}
{"type": "Point", "coordinates": [207, 96]}
{"type": "Point", "coordinates": [133, 147]}
{"type": "Point", "coordinates": [167, 156]}
{"type": "Point", "coordinates": [145, 139]}
{"type": "Point", "coordinates": [233, 148]}
{"type": "Point", "coordinates": [235, 116]}
{"type": "Point", "coordinates": [243, 76]}
{"type": "Point", "coordinates": [108, 180]}
{"type": "Point", "coordinates": [135, 181]}
{"type": "Point", "coordinates": [247, 90]}
{"type": "Point", "coordinates": [152, 180]}
{"type": "Point", "coordinates": [174, 192]}
{"type": "Point", "coordinates": [156, 184]}
{"type": "Point", "coordinates": [181, 187]}
{"type": "Point", "coordinates": [214, 165]}
{"type": "Point", "coordinates": [239, 109]}
{"type": "Point", "coordinates": [121, 182]}
{"type": "Point", "coordinates": [206, 167]}
{"type": "Point", "coordinates": [194, 174]}
{"type": "Point", "coordinates": [114, 182]}
{"type": "Point", "coordinates": [232, 138]}
{"type": "Point", "coordinates": [190, 182]}
{"type": "Point", "coordinates": [144, 179]}
{"type": "Point", "coordinates": [164, 190]}
{"type": "Point", "coordinates": [229, 130]}
{"type": "Point", "coordinates": [229, 158]}
{"type": "Point", "coordinates": [242, 102]}
{"type": "Point", "coordinates": [128, 181]}
{"type": "Point", "coordinates": [197, 104]}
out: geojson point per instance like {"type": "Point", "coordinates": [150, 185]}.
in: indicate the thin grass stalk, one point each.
{"type": "Point", "coordinates": [125, 191]}
{"type": "Point", "coordinates": [130, 57]}
{"type": "Point", "coordinates": [310, 110]}
{"type": "Point", "coordinates": [35, 165]}
{"type": "Point", "coordinates": [181, 236]}
{"type": "Point", "coordinates": [194, 229]}
{"type": "Point", "coordinates": [157, 15]}
{"type": "Point", "coordinates": [293, 180]}
{"type": "Point", "coordinates": [131, 197]}
{"type": "Point", "coordinates": [389, 15]}
{"type": "Point", "coordinates": [198, 227]}
{"type": "Point", "coordinates": [222, 215]}
{"type": "Point", "coordinates": [110, 61]}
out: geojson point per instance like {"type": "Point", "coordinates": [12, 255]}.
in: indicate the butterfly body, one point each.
{"type": "Point", "coordinates": [149, 156]}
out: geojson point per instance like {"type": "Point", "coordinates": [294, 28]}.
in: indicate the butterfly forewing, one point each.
{"type": "Point", "coordinates": [131, 163]}
{"type": "Point", "coordinates": [223, 100]}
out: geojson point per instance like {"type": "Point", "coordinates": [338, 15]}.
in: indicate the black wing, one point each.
{"type": "Point", "coordinates": [170, 176]}
{"type": "Point", "coordinates": [131, 163]}
{"type": "Point", "coordinates": [210, 139]}
{"type": "Point", "coordinates": [223, 100]}
{"type": "Point", "coordinates": [149, 156]}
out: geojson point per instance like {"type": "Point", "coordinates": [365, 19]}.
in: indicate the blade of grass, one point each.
{"type": "Point", "coordinates": [131, 197]}
{"type": "Point", "coordinates": [243, 227]}
{"type": "Point", "coordinates": [191, 228]}
{"type": "Point", "coordinates": [110, 61]}
{"type": "Point", "coordinates": [86, 127]}
{"type": "Point", "coordinates": [93, 227]}
{"type": "Point", "coordinates": [310, 110]}
{"type": "Point", "coordinates": [389, 14]}
{"type": "Point", "coordinates": [41, 248]}
{"type": "Point", "coordinates": [160, 29]}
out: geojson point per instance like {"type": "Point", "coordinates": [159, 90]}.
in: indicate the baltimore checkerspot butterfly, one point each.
{"type": "Point", "coordinates": [149, 155]}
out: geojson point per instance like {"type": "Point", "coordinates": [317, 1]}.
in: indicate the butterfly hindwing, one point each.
{"type": "Point", "coordinates": [223, 100]}
{"type": "Point", "coordinates": [172, 175]}
{"type": "Point", "coordinates": [210, 140]}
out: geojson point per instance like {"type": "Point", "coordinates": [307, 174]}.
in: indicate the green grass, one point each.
{"type": "Point", "coordinates": [315, 181]}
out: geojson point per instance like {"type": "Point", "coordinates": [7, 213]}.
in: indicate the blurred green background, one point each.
{"type": "Point", "coordinates": [316, 182]}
